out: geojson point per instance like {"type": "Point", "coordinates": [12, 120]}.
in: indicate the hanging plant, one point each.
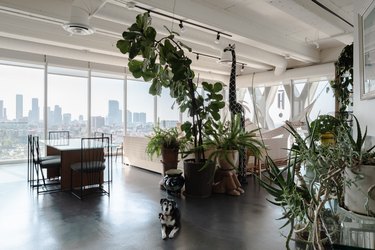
{"type": "Point", "coordinates": [343, 83]}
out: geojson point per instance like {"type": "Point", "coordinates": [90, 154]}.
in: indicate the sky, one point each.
{"type": "Point", "coordinates": [71, 93]}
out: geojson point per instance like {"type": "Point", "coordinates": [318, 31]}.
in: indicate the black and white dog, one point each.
{"type": "Point", "coordinates": [169, 218]}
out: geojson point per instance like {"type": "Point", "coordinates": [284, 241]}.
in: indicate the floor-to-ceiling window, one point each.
{"type": "Point", "coordinates": [140, 108]}
{"type": "Point", "coordinates": [107, 102]}
{"type": "Point", "coordinates": [67, 101]}
{"type": "Point", "coordinates": [168, 111]}
{"type": "Point", "coordinates": [21, 108]}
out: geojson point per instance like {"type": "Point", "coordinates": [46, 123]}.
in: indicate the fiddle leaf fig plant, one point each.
{"type": "Point", "coordinates": [162, 61]}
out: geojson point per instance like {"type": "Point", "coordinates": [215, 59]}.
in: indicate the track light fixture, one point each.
{"type": "Point", "coordinates": [242, 67]}
{"type": "Point", "coordinates": [182, 28]}
{"type": "Point", "coordinates": [185, 21]}
{"type": "Point", "coordinates": [197, 57]}
{"type": "Point", "coordinates": [217, 41]}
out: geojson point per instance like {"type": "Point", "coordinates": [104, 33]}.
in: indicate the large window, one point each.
{"type": "Point", "coordinates": [67, 101]}
{"type": "Point", "coordinates": [21, 108]}
{"type": "Point", "coordinates": [324, 100]}
{"type": "Point", "coordinates": [107, 102]}
{"type": "Point", "coordinates": [140, 108]}
{"type": "Point", "coordinates": [279, 110]}
{"type": "Point", "coordinates": [168, 111]}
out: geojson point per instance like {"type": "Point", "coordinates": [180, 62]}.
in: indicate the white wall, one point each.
{"type": "Point", "coordinates": [363, 109]}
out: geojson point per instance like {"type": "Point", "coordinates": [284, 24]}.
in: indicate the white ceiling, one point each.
{"type": "Point", "coordinates": [268, 34]}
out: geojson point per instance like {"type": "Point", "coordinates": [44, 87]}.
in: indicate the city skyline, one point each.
{"type": "Point", "coordinates": [57, 116]}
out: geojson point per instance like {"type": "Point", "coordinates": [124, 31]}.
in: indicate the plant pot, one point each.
{"type": "Point", "coordinates": [229, 159]}
{"type": "Point", "coordinates": [357, 194]}
{"type": "Point", "coordinates": [198, 181]}
{"type": "Point", "coordinates": [169, 158]}
{"type": "Point", "coordinates": [327, 138]}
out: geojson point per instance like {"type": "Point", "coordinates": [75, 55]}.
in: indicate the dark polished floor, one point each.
{"type": "Point", "coordinates": [128, 219]}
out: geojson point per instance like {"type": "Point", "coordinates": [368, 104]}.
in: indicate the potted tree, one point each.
{"type": "Point", "coordinates": [163, 61]}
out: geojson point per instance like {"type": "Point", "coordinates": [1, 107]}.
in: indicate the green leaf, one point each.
{"type": "Point", "coordinates": [134, 51]}
{"type": "Point", "coordinates": [123, 45]}
{"type": "Point", "coordinates": [135, 67]}
{"type": "Point", "coordinates": [150, 33]}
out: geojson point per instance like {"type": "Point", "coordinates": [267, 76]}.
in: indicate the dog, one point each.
{"type": "Point", "coordinates": [169, 218]}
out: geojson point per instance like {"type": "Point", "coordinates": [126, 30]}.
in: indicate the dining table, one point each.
{"type": "Point", "coordinates": [70, 152]}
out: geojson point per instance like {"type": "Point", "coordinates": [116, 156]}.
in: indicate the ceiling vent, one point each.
{"type": "Point", "coordinates": [79, 22]}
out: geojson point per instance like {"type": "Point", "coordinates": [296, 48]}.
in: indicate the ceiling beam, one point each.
{"type": "Point", "coordinates": [248, 31]}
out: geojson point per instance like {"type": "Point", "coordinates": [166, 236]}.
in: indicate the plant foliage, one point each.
{"type": "Point", "coordinates": [164, 63]}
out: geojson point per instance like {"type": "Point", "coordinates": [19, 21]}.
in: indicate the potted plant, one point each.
{"type": "Point", "coordinates": [305, 201]}
{"type": "Point", "coordinates": [163, 61]}
{"type": "Point", "coordinates": [360, 191]}
{"type": "Point", "coordinates": [224, 141]}
{"type": "Point", "coordinates": [167, 144]}
{"type": "Point", "coordinates": [325, 127]}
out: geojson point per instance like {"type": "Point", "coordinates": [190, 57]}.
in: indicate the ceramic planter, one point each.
{"type": "Point", "coordinates": [363, 191]}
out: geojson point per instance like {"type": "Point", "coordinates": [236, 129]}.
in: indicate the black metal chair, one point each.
{"type": "Point", "coordinates": [89, 176]}
{"type": "Point", "coordinates": [30, 163]}
{"type": "Point", "coordinates": [45, 164]}
{"type": "Point", "coordinates": [59, 137]}
{"type": "Point", "coordinates": [108, 153]}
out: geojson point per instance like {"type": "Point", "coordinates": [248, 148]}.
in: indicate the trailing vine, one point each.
{"type": "Point", "coordinates": [343, 83]}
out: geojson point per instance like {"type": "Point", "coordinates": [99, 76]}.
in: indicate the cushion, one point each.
{"type": "Point", "coordinates": [90, 166]}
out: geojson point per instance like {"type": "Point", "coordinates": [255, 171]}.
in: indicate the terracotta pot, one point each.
{"type": "Point", "coordinates": [357, 194]}
{"type": "Point", "coordinates": [169, 158]}
{"type": "Point", "coordinates": [198, 181]}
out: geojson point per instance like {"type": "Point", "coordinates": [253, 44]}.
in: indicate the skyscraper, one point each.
{"type": "Point", "coordinates": [129, 116]}
{"type": "Point", "coordinates": [34, 113]}
{"type": "Point", "coordinates": [114, 113]}
{"type": "Point", "coordinates": [19, 107]}
{"type": "Point", "coordinates": [139, 117]}
{"type": "Point", "coordinates": [1, 110]}
{"type": "Point", "coordinates": [57, 115]}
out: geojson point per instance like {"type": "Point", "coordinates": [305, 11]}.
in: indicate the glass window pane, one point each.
{"type": "Point", "coordinates": [67, 104]}
{"type": "Point", "coordinates": [107, 102]}
{"type": "Point", "coordinates": [140, 108]}
{"type": "Point", "coordinates": [279, 110]}
{"type": "Point", "coordinates": [325, 100]}
{"type": "Point", "coordinates": [21, 109]}
{"type": "Point", "coordinates": [168, 111]}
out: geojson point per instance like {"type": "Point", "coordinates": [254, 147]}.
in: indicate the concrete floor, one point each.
{"type": "Point", "coordinates": [128, 219]}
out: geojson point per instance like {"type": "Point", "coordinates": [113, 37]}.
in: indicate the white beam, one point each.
{"type": "Point", "coordinates": [247, 31]}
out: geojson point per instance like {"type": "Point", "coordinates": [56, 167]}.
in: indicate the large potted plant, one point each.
{"type": "Point", "coordinates": [305, 201]}
{"type": "Point", "coordinates": [162, 60]}
{"type": "Point", "coordinates": [225, 139]}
